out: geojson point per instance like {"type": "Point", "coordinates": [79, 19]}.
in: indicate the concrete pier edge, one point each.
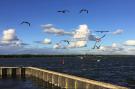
{"type": "Point", "coordinates": [59, 79]}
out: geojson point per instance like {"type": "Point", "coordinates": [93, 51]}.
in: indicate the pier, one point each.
{"type": "Point", "coordinates": [64, 81]}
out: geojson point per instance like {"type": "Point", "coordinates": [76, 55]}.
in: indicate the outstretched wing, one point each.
{"type": "Point", "coordinates": [59, 11]}
{"type": "Point", "coordinates": [84, 10]}
{"type": "Point", "coordinates": [66, 41]}
{"type": "Point", "coordinates": [87, 11]}
{"type": "Point", "coordinates": [28, 23]}
{"type": "Point", "coordinates": [102, 31]}
{"type": "Point", "coordinates": [98, 40]}
{"type": "Point", "coordinates": [102, 37]}
{"type": "Point", "coordinates": [81, 10]}
{"type": "Point", "coordinates": [63, 11]}
{"type": "Point", "coordinates": [98, 47]}
{"type": "Point", "coordinates": [95, 45]}
{"type": "Point", "coordinates": [24, 22]}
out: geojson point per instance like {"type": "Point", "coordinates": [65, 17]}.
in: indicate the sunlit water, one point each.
{"type": "Point", "coordinates": [115, 71]}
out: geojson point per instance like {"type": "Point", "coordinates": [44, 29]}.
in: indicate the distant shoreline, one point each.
{"type": "Point", "coordinates": [46, 56]}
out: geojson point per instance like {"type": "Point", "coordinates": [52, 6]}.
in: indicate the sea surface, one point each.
{"type": "Point", "coordinates": [119, 71]}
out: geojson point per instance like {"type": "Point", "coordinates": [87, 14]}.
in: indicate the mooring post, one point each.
{"type": "Point", "coordinates": [45, 76]}
{"type": "Point", "coordinates": [0, 72]}
{"type": "Point", "coordinates": [76, 86]}
{"type": "Point", "coordinates": [22, 72]}
{"type": "Point", "coordinates": [53, 82]}
{"type": "Point", "coordinates": [4, 72]}
{"type": "Point", "coordinates": [58, 81]}
{"type": "Point", "coordinates": [18, 71]}
{"type": "Point", "coordinates": [14, 72]}
{"type": "Point", "coordinates": [66, 80]}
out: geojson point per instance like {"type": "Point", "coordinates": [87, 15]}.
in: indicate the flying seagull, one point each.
{"type": "Point", "coordinates": [66, 41]}
{"type": "Point", "coordinates": [25, 22]}
{"type": "Point", "coordinates": [98, 47]}
{"type": "Point", "coordinates": [95, 46]}
{"type": "Point", "coordinates": [63, 11]}
{"type": "Point", "coordinates": [98, 40]}
{"type": "Point", "coordinates": [84, 10]}
{"type": "Point", "coordinates": [102, 37]}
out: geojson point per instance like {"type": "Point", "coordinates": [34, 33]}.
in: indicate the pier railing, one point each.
{"type": "Point", "coordinates": [61, 80]}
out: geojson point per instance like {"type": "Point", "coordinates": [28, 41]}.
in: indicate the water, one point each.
{"type": "Point", "coordinates": [11, 83]}
{"type": "Point", "coordinates": [25, 83]}
{"type": "Point", "coordinates": [119, 71]}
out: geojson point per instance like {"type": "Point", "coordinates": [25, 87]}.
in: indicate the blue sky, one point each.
{"type": "Point", "coordinates": [103, 15]}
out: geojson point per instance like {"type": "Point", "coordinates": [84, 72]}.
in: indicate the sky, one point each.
{"type": "Point", "coordinates": [49, 28]}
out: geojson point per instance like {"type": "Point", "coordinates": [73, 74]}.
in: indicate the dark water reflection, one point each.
{"type": "Point", "coordinates": [119, 71]}
{"type": "Point", "coordinates": [24, 83]}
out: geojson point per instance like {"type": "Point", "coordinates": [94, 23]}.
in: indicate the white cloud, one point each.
{"type": "Point", "coordinates": [116, 49]}
{"type": "Point", "coordinates": [57, 46]}
{"type": "Point", "coordinates": [114, 45]}
{"type": "Point", "coordinates": [80, 37]}
{"type": "Point", "coordinates": [47, 41]}
{"type": "Point", "coordinates": [118, 31]}
{"type": "Point", "coordinates": [81, 32]}
{"type": "Point", "coordinates": [77, 44]}
{"type": "Point", "coordinates": [129, 43]}
{"type": "Point", "coordinates": [49, 28]}
{"type": "Point", "coordinates": [113, 48]}
{"type": "Point", "coordinates": [84, 33]}
{"type": "Point", "coordinates": [9, 38]}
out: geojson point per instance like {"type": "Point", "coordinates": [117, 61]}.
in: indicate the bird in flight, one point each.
{"type": "Point", "coordinates": [63, 11]}
{"type": "Point", "coordinates": [102, 31]}
{"type": "Point", "coordinates": [97, 41]}
{"type": "Point", "coordinates": [66, 41]}
{"type": "Point", "coordinates": [84, 10]}
{"type": "Point", "coordinates": [25, 22]}
{"type": "Point", "coordinates": [96, 46]}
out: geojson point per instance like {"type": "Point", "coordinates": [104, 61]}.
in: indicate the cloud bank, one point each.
{"type": "Point", "coordinates": [9, 38]}
{"type": "Point", "coordinates": [113, 48]}
{"type": "Point", "coordinates": [81, 37]}
{"type": "Point", "coordinates": [129, 43]}
{"type": "Point", "coordinates": [47, 41]}
{"type": "Point", "coordinates": [49, 28]}
{"type": "Point", "coordinates": [118, 31]}
{"type": "Point", "coordinates": [57, 46]}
